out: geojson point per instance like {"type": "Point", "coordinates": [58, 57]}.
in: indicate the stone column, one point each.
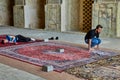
{"type": "Point", "coordinates": [29, 14]}
{"type": "Point", "coordinates": [118, 21]}
{"type": "Point", "coordinates": [53, 15]}
{"type": "Point", "coordinates": [70, 15]}
{"type": "Point", "coordinates": [63, 15]}
{"type": "Point", "coordinates": [18, 11]}
{"type": "Point", "coordinates": [105, 15]}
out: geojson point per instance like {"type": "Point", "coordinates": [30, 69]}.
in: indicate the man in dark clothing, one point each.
{"type": "Point", "coordinates": [92, 37]}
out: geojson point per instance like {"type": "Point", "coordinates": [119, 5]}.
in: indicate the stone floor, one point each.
{"type": "Point", "coordinates": [9, 73]}
{"type": "Point", "coordinates": [73, 37]}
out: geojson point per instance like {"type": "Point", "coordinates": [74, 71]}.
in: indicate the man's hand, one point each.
{"type": "Point", "coordinates": [91, 49]}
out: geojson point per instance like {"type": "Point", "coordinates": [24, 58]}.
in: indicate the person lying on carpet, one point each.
{"type": "Point", "coordinates": [16, 38]}
{"type": "Point", "coordinates": [92, 38]}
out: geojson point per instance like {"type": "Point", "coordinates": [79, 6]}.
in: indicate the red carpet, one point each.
{"type": "Point", "coordinates": [48, 51]}
{"type": "Point", "coordinates": [44, 53]}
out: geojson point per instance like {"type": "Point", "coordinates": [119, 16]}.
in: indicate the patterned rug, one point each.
{"type": "Point", "coordinates": [48, 53]}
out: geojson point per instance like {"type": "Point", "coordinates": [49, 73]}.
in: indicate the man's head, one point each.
{"type": "Point", "coordinates": [99, 28]}
{"type": "Point", "coordinates": [4, 41]}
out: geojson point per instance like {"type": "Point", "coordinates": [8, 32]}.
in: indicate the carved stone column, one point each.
{"type": "Point", "coordinates": [105, 13]}
{"type": "Point", "coordinates": [53, 15]}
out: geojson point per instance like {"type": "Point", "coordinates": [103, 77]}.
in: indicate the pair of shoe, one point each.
{"type": "Point", "coordinates": [52, 38]}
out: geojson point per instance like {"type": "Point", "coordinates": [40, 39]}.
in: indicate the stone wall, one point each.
{"type": "Point", "coordinates": [53, 15]}
{"type": "Point", "coordinates": [19, 2]}
{"type": "Point", "coordinates": [54, 1]}
{"type": "Point", "coordinates": [6, 12]}
{"type": "Point", "coordinates": [118, 21]}
{"type": "Point", "coordinates": [70, 15]}
{"type": "Point", "coordinates": [32, 14]}
{"type": "Point", "coordinates": [106, 1]}
{"type": "Point", "coordinates": [107, 14]}
{"type": "Point", "coordinates": [18, 16]}
{"type": "Point", "coordinates": [62, 15]}
{"type": "Point", "coordinates": [73, 14]}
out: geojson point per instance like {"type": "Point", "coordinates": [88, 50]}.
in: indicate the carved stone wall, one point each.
{"type": "Point", "coordinates": [53, 15]}
{"type": "Point", "coordinates": [107, 15]}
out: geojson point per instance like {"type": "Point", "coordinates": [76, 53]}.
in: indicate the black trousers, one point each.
{"type": "Point", "coordinates": [20, 38]}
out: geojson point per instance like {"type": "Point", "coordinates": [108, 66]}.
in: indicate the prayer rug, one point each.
{"type": "Point", "coordinates": [46, 53]}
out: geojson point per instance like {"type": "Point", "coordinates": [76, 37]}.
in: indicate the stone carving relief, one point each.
{"type": "Point", "coordinates": [52, 16]}
{"type": "Point", "coordinates": [105, 14]}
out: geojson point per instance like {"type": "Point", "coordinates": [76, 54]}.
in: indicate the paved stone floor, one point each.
{"type": "Point", "coordinates": [9, 73]}
{"type": "Point", "coordinates": [77, 38]}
